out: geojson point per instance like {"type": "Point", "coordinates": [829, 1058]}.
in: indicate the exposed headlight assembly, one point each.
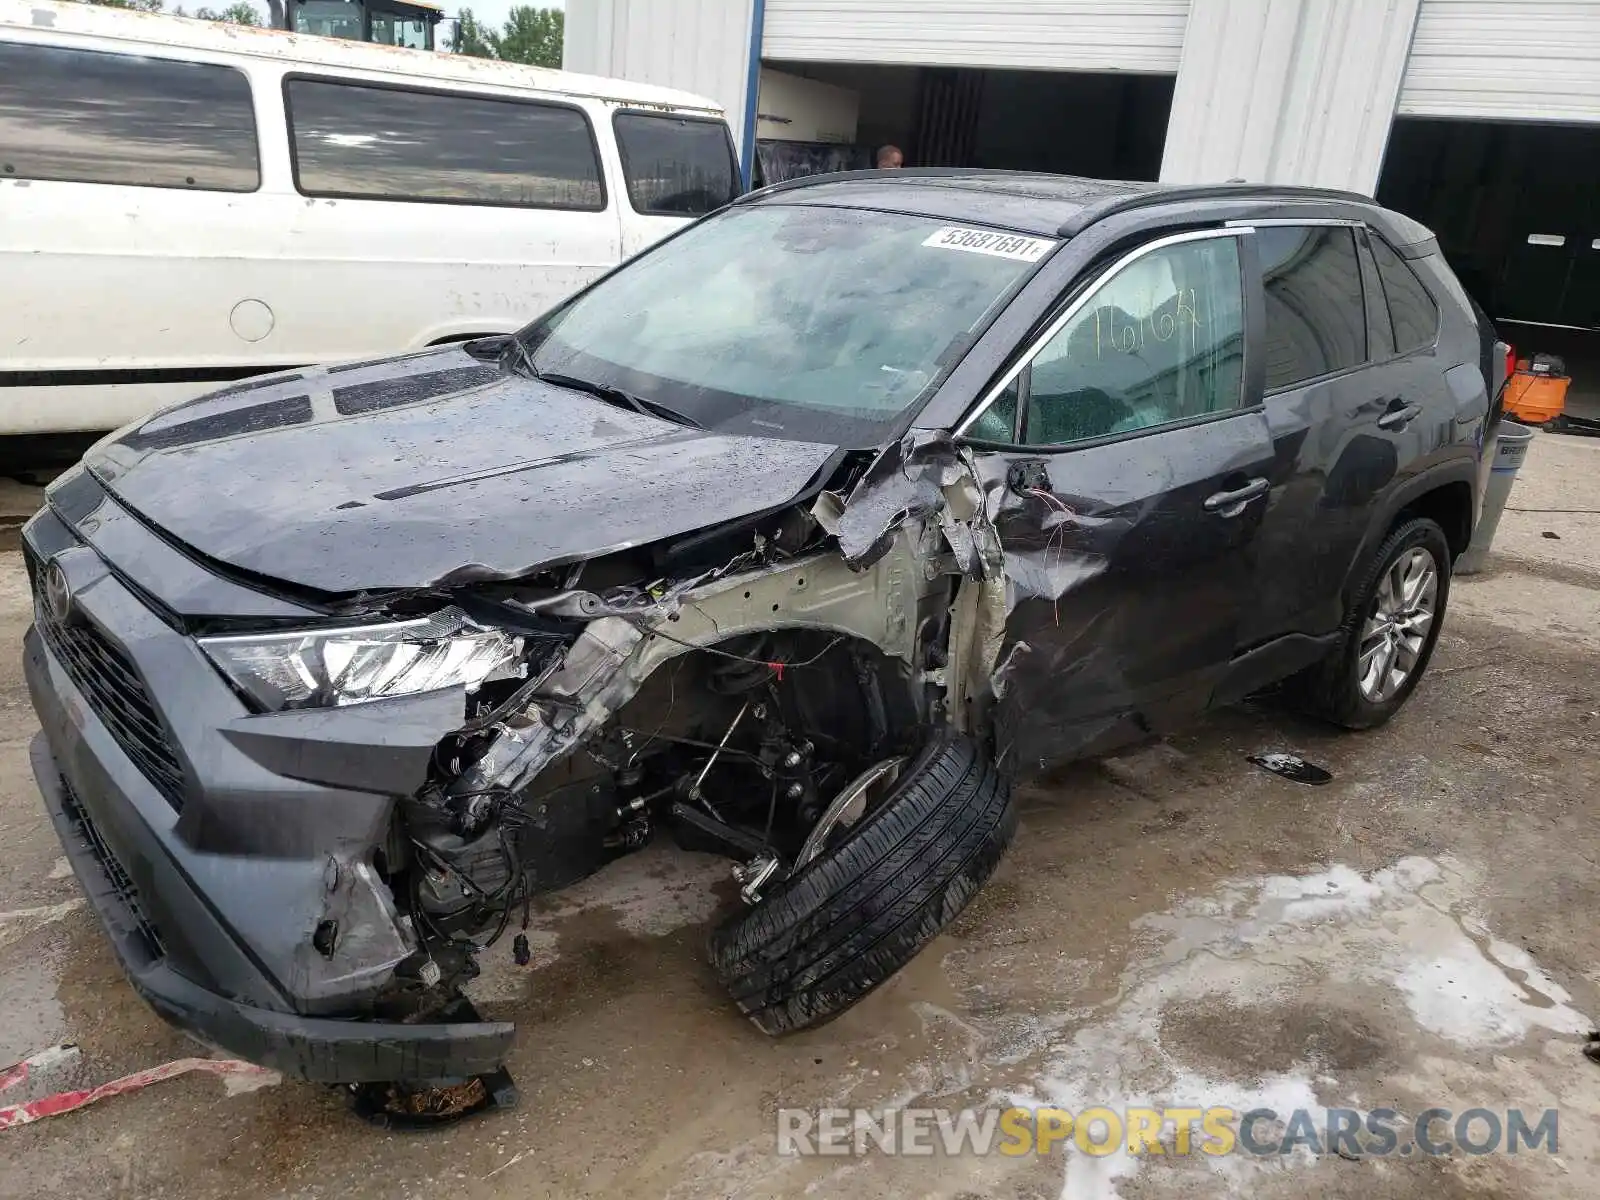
{"type": "Point", "coordinates": [325, 668]}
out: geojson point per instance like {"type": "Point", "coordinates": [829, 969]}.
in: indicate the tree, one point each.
{"type": "Point", "coordinates": [238, 13]}
{"type": "Point", "coordinates": [138, 5]}
{"type": "Point", "coordinates": [533, 36]}
{"type": "Point", "coordinates": [473, 37]}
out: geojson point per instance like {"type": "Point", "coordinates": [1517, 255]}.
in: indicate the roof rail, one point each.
{"type": "Point", "coordinates": [804, 181]}
{"type": "Point", "coordinates": [1112, 205]}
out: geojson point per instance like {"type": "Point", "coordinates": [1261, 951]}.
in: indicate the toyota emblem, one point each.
{"type": "Point", "coordinates": [57, 594]}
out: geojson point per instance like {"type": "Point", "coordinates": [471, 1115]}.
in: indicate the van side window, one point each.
{"type": "Point", "coordinates": [388, 143]}
{"type": "Point", "coordinates": [1316, 318]}
{"type": "Point", "coordinates": [83, 116]}
{"type": "Point", "coordinates": [1414, 312]}
{"type": "Point", "coordinates": [676, 166]}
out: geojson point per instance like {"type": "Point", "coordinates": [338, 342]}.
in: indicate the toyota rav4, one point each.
{"type": "Point", "coordinates": [799, 538]}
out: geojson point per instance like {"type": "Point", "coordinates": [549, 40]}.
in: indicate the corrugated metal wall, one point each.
{"type": "Point", "coordinates": [701, 46]}
{"type": "Point", "coordinates": [1525, 60]}
{"type": "Point", "coordinates": [1060, 35]}
{"type": "Point", "coordinates": [1288, 91]}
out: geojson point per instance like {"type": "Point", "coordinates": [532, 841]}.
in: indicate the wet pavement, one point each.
{"type": "Point", "coordinates": [1174, 926]}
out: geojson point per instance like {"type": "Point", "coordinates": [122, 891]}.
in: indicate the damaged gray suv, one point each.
{"type": "Point", "coordinates": [798, 538]}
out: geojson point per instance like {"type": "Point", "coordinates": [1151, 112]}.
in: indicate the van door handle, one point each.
{"type": "Point", "coordinates": [1399, 415]}
{"type": "Point", "coordinates": [1231, 504]}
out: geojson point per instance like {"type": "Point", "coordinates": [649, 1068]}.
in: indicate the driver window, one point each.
{"type": "Point", "coordinates": [1162, 340]}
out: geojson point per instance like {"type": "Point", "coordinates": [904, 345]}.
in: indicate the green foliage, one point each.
{"type": "Point", "coordinates": [531, 35]}
{"type": "Point", "coordinates": [473, 37]}
{"type": "Point", "coordinates": [138, 5]}
{"type": "Point", "coordinates": [239, 13]}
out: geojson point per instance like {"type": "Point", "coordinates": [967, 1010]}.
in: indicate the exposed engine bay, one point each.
{"type": "Point", "coordinates": [752, 703]}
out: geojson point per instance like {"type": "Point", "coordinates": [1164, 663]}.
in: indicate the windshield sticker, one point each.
{"type": "Point", "coordinates": [983, 241]}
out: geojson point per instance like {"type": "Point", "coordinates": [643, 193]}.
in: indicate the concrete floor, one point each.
{"type": "Point", "coordinates": [1172, 925]}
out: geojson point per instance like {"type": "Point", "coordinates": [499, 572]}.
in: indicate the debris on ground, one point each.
{"type": "Point", "coordinates": [50, 1060]}
{"type": "Point", "coordinates": [415, 1106]}
{"type": "Point", "coordinates": [64, 1102]}
{"type": "Point", "coordinates": [1292, 767]}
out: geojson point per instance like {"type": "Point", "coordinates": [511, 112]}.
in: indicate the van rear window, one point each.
{"type": "Point", "coordinates": [389, 143]}
{"type": "Point", "coordinates": [84, 116]}
{"type": "Point", "coordinates": [676, 166]}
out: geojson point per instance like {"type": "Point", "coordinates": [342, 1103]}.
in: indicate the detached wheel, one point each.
{"type": "Point", "coordinates": [875, 892]}
{"type": "Point", "coordinates": [1389, 632]}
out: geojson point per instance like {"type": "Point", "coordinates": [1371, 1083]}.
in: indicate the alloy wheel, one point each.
{"type": "Point", "coordinates": [1397, 628]}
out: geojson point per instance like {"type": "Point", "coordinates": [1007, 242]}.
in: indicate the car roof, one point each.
{"type": "Point", "coordinates": [1065, 205]}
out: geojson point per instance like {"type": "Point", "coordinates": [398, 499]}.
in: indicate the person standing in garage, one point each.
{"type": "Point", "coordinates": [890, 158]}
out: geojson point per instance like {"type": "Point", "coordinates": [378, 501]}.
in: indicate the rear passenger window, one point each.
{"type": "Point", "coordinates": [1316, 318]}
{"type": "Point", "coordinates": [676, 166]}
{"type": "Point", "coordinates": [1413, 310]}
{"type": "Point", "coordinates": [82, 116]}
{"type": "Point", "coordinates": [385, 143]}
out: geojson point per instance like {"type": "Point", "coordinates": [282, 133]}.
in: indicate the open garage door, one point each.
{"type": "Point", "coordinates": [1052, 35]}
{"type": "Point", "coordinates": [827, 116]}
{"type": "Point", "coordinates": [1516, 206]}
{"type": "Point", "coordinates": [1531, 60]}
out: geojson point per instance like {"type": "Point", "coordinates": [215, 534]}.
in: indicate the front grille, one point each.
{"type": "Point", "coordinates": [114, 689]}
{"type": "Point", "coordinates": [121, 884]}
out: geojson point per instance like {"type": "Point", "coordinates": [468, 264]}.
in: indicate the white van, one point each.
{"type": "Point", "coordinates": [185, 202]}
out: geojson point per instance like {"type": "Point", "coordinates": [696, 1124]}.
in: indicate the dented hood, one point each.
{"type": "Point", "coordinates": [431, 469]}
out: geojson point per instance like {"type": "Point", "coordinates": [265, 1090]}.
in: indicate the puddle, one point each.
{"type": "Point", "coordinates": [18, 922]}
{"type": "Point", "coordinates": [653, 892]}
{"type": "Point", "coordinates": [1273, 992]}
{"type": "Point", "coordinates": [1291, 993]}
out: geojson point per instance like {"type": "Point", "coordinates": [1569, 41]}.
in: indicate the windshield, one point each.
{"type": "Point", "coordinates": [816, 323]}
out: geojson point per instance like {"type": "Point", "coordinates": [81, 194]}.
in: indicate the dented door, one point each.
{"type": "Point", "coordinates": [1128, 504]}
{"type": "Point", "coordinates": [1125, 587]}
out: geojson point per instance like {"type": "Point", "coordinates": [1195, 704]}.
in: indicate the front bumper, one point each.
{"type": "Point", "coordinates": [214, 843]}
{"type": "Point", "coordinates": [318, 1048]}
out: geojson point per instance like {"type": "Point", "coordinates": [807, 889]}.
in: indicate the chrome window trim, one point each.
{"type": "Point", "coordinates": [1039, 343]}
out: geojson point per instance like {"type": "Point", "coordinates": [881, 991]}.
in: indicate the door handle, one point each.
{"type": "Point", "coordinates": [1231, 504]}
{"type": "Point", "coordinates": [1399, 415]}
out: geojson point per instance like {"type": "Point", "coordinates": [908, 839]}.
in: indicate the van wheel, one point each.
{"type": "Point", "coordinates": [847, 920]}
{"type": "Point", "coordinates": [1389, 632]}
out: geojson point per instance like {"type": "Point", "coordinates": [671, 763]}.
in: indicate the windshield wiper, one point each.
{"type": "Point", "coordinates": [612, 395]}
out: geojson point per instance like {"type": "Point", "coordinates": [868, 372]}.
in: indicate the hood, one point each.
{"type": "Point", "coordinates": [431, 469]}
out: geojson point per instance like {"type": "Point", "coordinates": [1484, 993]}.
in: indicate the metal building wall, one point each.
{"type": "Point", "coordinates": [701, 46]}
{"type": "Point", "coordinates": [1057, 35]}
{"type": "Point", "coordinates": [1531, 60]}
{"type": "Point", "coordinates": [1288, 91]}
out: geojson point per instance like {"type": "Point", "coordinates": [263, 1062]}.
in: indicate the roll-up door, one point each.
{"type": "Point", "coordinates": [1507, 60]}
{"type": "Point", "coordinates": [1058, 35]}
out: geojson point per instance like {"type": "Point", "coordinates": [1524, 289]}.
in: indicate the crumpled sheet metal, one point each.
{"type": "Point", "coordinates": [905, 483]}
{"type": "Point", "coordinates": [611, 659]}
{"type": "Point", "coordinates": [926, 475]}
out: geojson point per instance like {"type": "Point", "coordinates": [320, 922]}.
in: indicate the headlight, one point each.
{"type": "Point", "coordinates": [325, 668]}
